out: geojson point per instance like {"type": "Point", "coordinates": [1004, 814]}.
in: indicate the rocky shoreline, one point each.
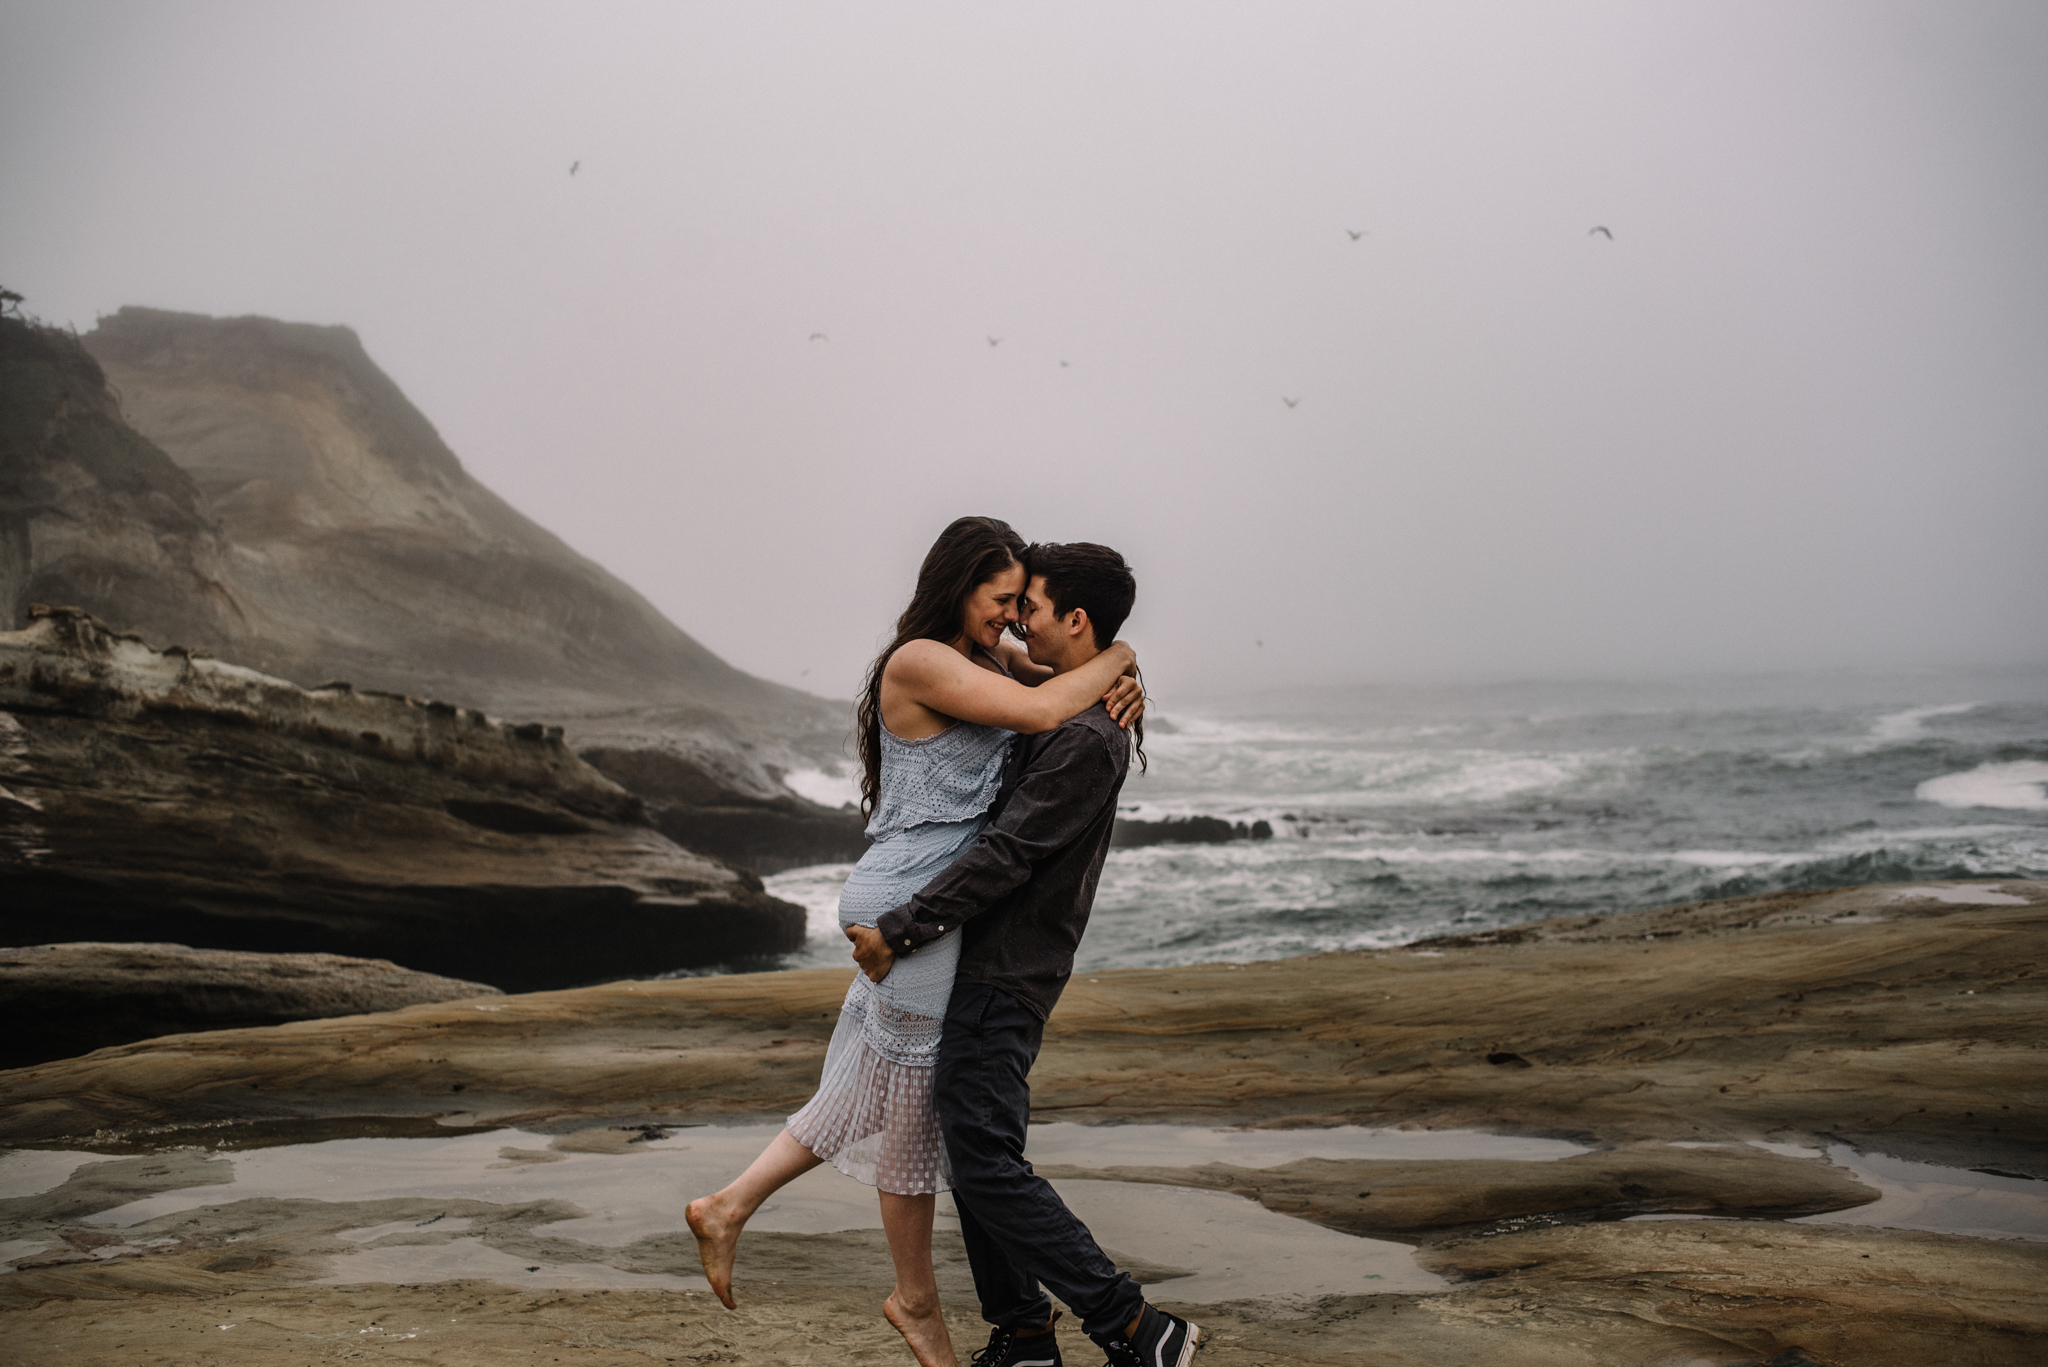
{"type": "Point", "coordinates": [160, 796]}
{"type": "Point", "coordinates": [1670, 1043]}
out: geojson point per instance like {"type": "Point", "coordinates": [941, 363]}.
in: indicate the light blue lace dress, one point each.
{"type": "Point", "coordinates": [872, 1115]}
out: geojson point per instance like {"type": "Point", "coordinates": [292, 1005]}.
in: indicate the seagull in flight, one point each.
{"type": "Point", "coordinates": [1063, 365]}
{"type": "Point", "coordinates": [995, 341]}
{"type": "Point", "coordinates": [1356, 235]}
{"type": "Point", "coordinates": [1289, 402]}
{"type": "Point", "coordinates": [574, 164]}
{"type": "Point", "coordinates": [1602, 231]}
{"type": "Point", "coordinates": [820, 337]}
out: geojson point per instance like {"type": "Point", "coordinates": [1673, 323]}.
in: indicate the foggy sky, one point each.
{"type": "Point", "coordinates": [1791, 416]}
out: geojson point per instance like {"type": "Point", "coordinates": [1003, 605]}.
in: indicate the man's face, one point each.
{"type": "Point", "coordinates": [1046, 634]}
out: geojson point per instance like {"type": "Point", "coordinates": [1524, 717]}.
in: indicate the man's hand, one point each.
{"type": "Point", "coordinates": [871, 952]}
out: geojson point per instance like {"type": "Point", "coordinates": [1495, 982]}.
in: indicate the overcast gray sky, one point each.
{"type": "Point", "coordinates": [1793, 414]}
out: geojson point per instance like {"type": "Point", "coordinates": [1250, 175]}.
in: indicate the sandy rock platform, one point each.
{"type": "Point", "coordinates": [1726, 1060]}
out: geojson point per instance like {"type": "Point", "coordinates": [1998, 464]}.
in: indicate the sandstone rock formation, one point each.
{"type": "Point", "coordinates": [59, 1001]}
{"type": "Point", "coordinates": [1855, 1012]}
{"type": "Point", "coordinates": [1896, 1015]}
{"type": "Point", "coordinates": [262, 491]}
{"type": "Point", "coordinates": [157, 795]}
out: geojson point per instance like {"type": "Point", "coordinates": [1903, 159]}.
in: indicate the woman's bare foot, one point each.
{"type": "Point", "coordinates": [718, 1239]}
{"type": "Point", "coordinates": [924, 1329]}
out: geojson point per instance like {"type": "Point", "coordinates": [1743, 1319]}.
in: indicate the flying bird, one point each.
{"type": "Point", "coordinates": [1259, 643]}
{"type": "Point", "coordinates": [1063, 365]}
{"type": "Point", "coordinates": [1356, 235]}
{"type": "Point", "coordinates": [574, 164]}
{"type": "Point", "coordinates": [1602, 231]}
{"type": "Point", "coordinates": [820, 337]}
{"type": "Point", "coordinates": [995, 341]}
{"type": "Point", "coordinates": [1289, 402]}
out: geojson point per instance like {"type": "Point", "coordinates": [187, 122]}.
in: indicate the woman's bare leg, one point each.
{"type": "Point", "coordinates": [914, 1305]}
{"type": "Point", "coordinates": [717, 1219]}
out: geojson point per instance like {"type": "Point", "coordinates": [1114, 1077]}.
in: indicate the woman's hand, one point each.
{"type": "Point", "coordinates": [1125, 701]}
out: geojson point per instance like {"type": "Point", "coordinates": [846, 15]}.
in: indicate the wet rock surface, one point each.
{"type": "Point", "coordinates": [159, 796]}
{"type": "Point", "coordinates": [1410, 1199]}
{"type": "Point", "coordinates": [1131, 833]}
{"type": "Point", "coordinates": [1873, 1011]}
{"type": "Point", "coordinates": [1913, 1012]}
{"type": "Point", "coordinates": [59, 1001]}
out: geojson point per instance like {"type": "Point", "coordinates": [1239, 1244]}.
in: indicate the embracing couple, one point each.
{"type": "Point", "coordinates": [991, 772]}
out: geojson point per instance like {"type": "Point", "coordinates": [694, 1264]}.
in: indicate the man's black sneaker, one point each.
{"type": "Point", "coordinates": [1162, 1340]}
{"type": "Point", "coordinates": [1008, 1348]}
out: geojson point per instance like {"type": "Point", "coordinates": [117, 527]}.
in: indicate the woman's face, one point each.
{"type": "Point", "coordinates": [992, 607]}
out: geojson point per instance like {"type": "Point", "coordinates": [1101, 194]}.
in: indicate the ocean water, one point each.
{"type": "Point", "coordinates": [1407, 812]}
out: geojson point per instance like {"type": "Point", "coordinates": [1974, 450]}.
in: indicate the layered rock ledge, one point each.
{"type": "Point", "coordinates": [57, 1001]}
{"type": "Point", "coordinates": [1907, 1019]}
{"type": "Point", "coordinates": [156, 795]}
{"type": "Point", "coordinates": [1877, 1012]}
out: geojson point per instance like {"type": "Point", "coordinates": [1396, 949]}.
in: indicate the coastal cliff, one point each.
{"type": "Point", "coordinates": [158, 795]}
{"type": "Point", "coordinates": [262, 491]}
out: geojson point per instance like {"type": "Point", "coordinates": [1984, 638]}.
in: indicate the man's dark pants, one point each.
{"type": "Point", "coordinates": [1020, 1235]}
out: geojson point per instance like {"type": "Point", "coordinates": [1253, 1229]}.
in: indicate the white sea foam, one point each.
{"type": "Point", "coordinates": [827, 788]}
{"type": "Point", "coordinates": [1242, 782]}
{"type": "Point", "coordinates": [2020, 784]}
{"type": "Point", "coordinates": [1742, 859]}
{"type": "Point", "coordinates": [816, 889]}
{"type": "Point", "coordinates": [1912, 723]}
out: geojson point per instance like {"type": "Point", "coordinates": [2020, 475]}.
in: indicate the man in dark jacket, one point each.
{"type": "Point", "coordinates": [1020, 896]}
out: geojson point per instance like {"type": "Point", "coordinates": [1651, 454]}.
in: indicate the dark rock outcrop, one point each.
{"type": "Point", "coordinates": [60, 1001]}
{"type": "Point", "coordinates": [156, 795]}
{"type": "Point", "coordinates": [1185, 830]}
{"type": "Point", "coordinates": [697, 811]}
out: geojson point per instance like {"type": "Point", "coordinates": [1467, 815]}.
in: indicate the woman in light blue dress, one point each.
{"type": "Point", "coordinates": [936, 719]}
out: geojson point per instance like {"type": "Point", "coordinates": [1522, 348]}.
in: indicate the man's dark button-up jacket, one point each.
{"type": "Point", "coordinates": [1023, 889]}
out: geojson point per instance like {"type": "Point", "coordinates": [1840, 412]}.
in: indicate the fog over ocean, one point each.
{"type": "Point", "coordinates": [1401, 813]}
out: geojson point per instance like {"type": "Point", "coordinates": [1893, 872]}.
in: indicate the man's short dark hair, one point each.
{"type": "Point", "coordinates": [1081, 574]}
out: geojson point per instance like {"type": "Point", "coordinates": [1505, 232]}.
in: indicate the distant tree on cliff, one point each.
{"type": "Point", "coordinates": [10, 303]}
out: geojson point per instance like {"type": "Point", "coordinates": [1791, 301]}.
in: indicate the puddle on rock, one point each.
{"type": "Point", "coordinates": [1924, 1196]}
{"type": "Point", "coordinates": [1943, 1200]}
{"type": "Point", "coordinates": [1187, 1146]}
{"type": "Point", "coordinates": [636, 1191]}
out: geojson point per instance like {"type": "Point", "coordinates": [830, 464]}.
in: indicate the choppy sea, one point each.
{"type": "Point", "coordinates": [1403, 812]}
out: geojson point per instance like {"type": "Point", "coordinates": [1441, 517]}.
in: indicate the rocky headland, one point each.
{"type": "Point", "coordinates": [1670, 1043]}
{"type": "Point", "coordinates": [157, 795]}
{"type": "Point", "coordinates": [262, 492]}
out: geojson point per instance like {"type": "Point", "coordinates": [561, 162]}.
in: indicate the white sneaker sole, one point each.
{"type": "Point", "coordinates": [1187, 1352]}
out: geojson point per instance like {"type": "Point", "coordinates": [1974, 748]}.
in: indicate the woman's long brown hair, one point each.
{"type": "Point", "coordinates": [969, 553]}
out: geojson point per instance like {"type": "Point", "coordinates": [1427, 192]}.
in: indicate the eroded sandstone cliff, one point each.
{"type": "Point", "coordinates": [159, 795]}
{"type": "Point", "coordinates": [91, 511]}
